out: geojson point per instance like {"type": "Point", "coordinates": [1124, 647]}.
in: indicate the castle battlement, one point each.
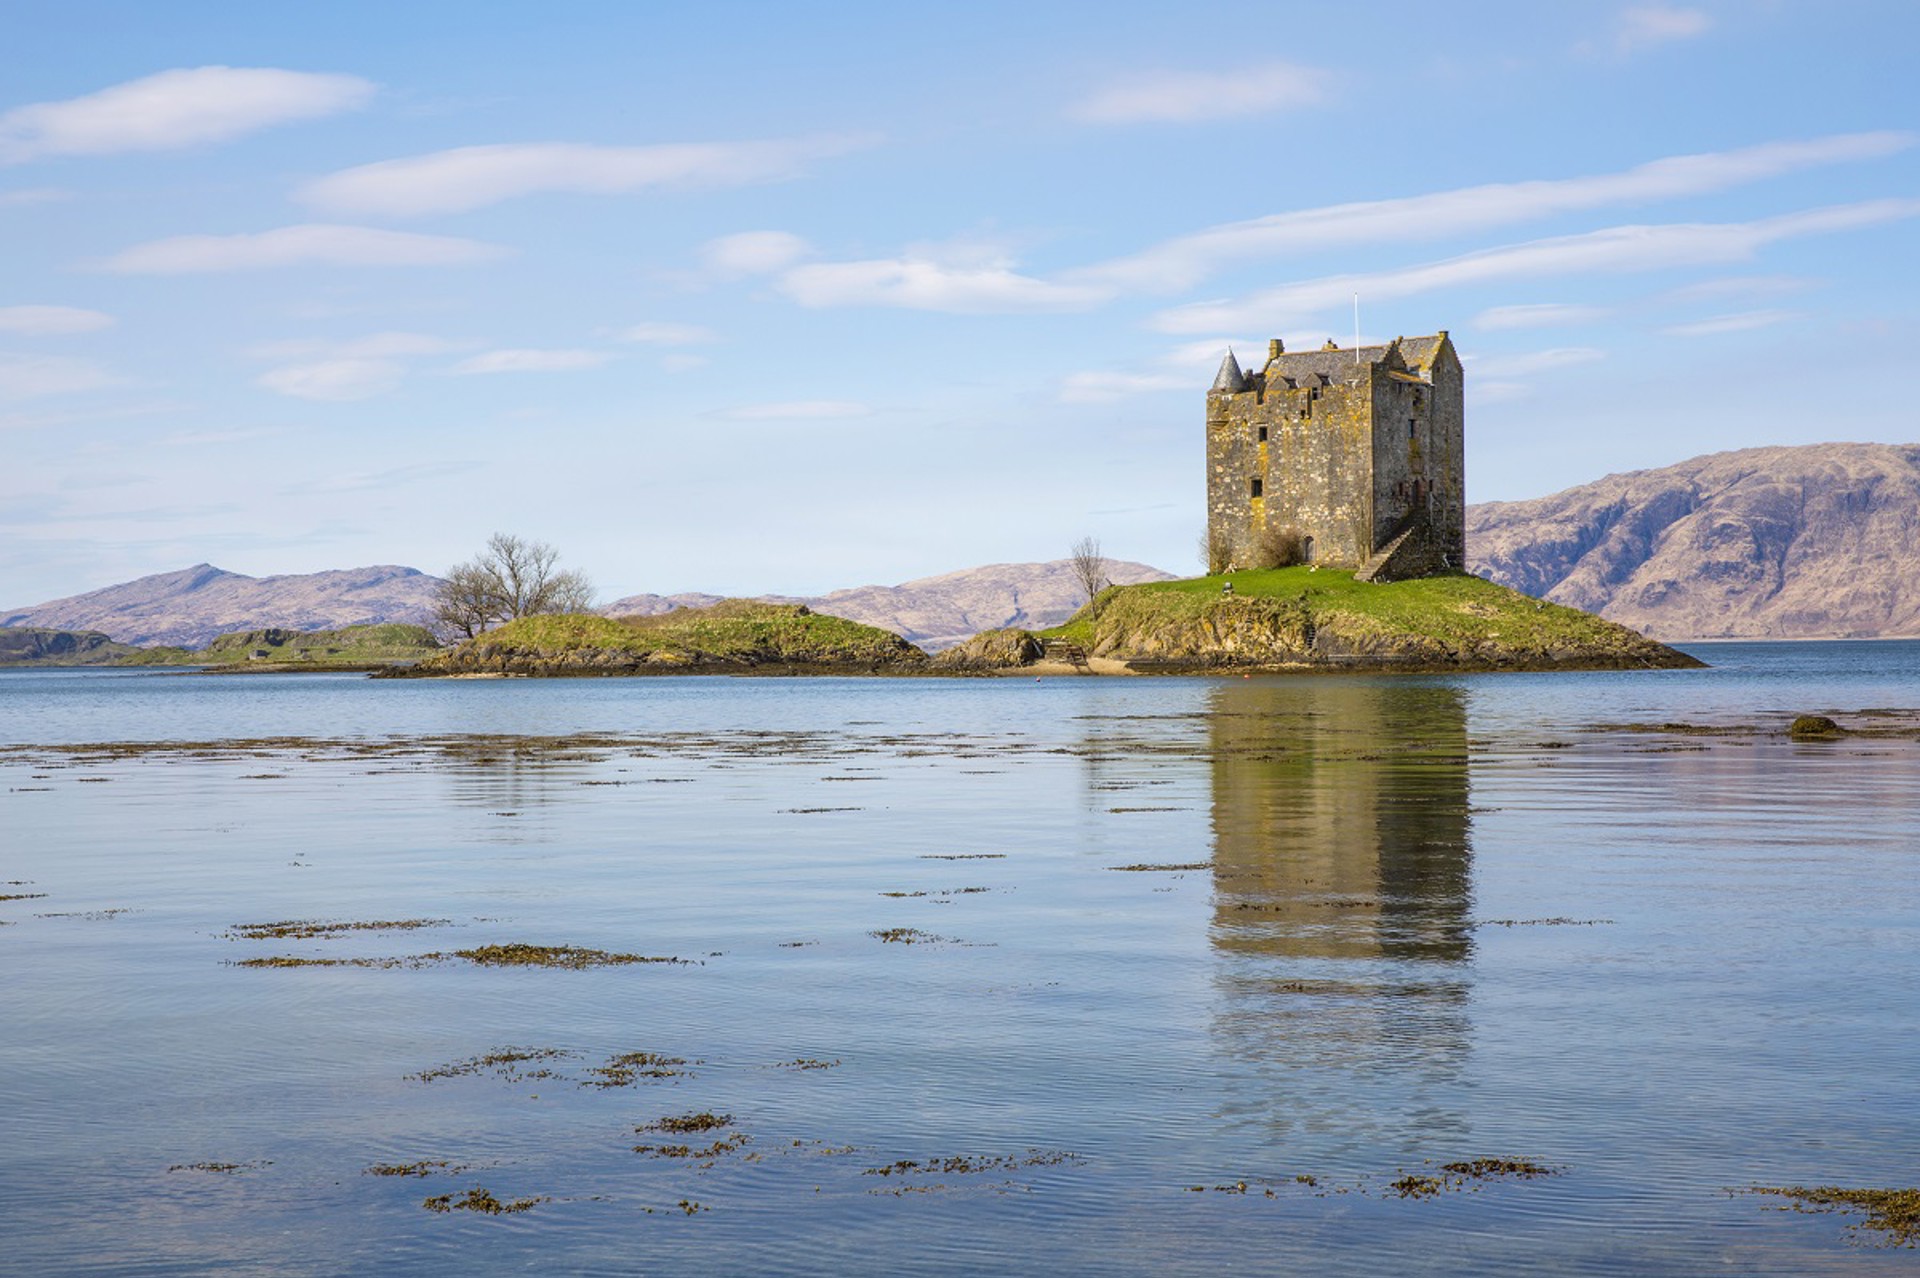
{"type": "Point", "coordinates": [1356, 456]}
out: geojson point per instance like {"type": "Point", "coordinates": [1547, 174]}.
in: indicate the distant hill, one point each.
{"type": "Point", "coordinates": [35, 646]}
{"type": "Point", "coordinates": [939, 612]}
{"type": "Point", "coordinates": [1818, 541]}
{"type": "Point", "coordinates": [192, 607]}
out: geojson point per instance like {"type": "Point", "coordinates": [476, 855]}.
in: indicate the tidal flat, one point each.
{"type": "Point", "coordinates": [1451, 974]}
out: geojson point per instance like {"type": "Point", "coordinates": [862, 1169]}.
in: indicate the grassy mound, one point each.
{"type": "Point", "coordinates": [1288, 616]}
{"type": "Point", "coordinates": [732, 634]}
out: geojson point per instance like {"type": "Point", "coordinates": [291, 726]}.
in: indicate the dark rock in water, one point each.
{"type": "Point", "coordinates": [1814, 727]}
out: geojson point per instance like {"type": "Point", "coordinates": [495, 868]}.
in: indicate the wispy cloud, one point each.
{"type": "Point", "coordinates": [472, 177]}
{"type": "Point", "coordinates": [372, 346]}
{"type": "Point", "coordinates": [532, 361]}
{"type": "Point", "coordinates": [1188, 97]}
{"type": "Point", "coordinates": [1616, 249]}
{"type": "Point", "coordinates": [929, 284]}
{"type": "Point", "coordinates": [800, 410]}
{"type": "Point", "coordinates": [335, 380]}
{"type": "Point", "coordinates": [753, 252]}
{"type": "Point", "coordinates": [666, 334]}
{"type": "Point", "coordinates": [1105, 388]}
{"type": "Point", "coordinates": [1537, 315]}
{"type": "Point", "coordinates": [1530, 362]}
{"type": "Point", "coordinates": [1742, 322]}
{"type": "Point", "coordinates": [23, 197]}
{"type": "Point", "coordinates": [35, 376]}
{"type": "Point", "coordinates": [1644, 26]}
{"type": "Point", "coordinates": [368, 480]}
{"type": "Point", "coordinates": [1738, 286]}
{"type": "Point", "coordinates": [202, 438]}
{"type": "Point", "coordinates": [312, 244]}
{"type": "Point", "coordinates": [1186, 260]}
{"type": "Point", "coordinates": [173, 109]}
{"type": "Point", "coordinates": [51, 321]}
{"type": "Point", "coordinates": [338, 370]}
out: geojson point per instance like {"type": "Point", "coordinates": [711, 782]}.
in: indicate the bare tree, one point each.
{"type": "Point", "coordinates": [1215, 551]}
{"type": "Point", "coordinates": [1089, 566]}
{"type": "Point", "coordinates": [511, 577]}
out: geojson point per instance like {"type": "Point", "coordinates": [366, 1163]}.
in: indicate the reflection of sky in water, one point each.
{"type": "Point", "coordinates": [1702, 987]}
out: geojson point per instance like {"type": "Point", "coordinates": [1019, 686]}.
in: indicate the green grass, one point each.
{"type": "Point", "coordinates": [1454, 609]}
{"type": "Point", "coordinates": [733, 630]}
{"type": "Point", "coordinates": [349, 645]}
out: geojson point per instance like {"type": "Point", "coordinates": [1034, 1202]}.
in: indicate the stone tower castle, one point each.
{"type": "Point", "coordinates": [1354, 456]}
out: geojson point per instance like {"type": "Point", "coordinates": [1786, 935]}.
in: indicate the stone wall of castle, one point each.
{"type": "Point", "coordinates": [1343, 453]}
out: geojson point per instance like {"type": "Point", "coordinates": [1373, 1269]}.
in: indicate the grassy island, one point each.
{"type": "Point", "coordinates": [735, 635]}
{"type": "Point", "coordinates": [1303, 618]}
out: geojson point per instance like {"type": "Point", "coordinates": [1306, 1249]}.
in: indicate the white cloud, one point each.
{"type": "Point", "coordinates": [32, 376]}
{"type": "Point", "coordinates": [925, 284]}
{"type": "Point", "coordinates": [201, 438]}
{"type": "Point", "coordinates": [1103, 388]}
{"type": "Point", "coordinates": [51, 321]}
{"type": "Point", "coordinates": [472, 177]}
{"type": "Point", "coordinates": [532, 361]}
{"type": "Point", "coordinates": [372, 346]}
{"type": "Point", "coordinates": [335, 380]}
{"type": "Point", "coordinates": [1738, 286]}
{"type": "Point", "coordinates": [1646, 25]}
{"type": "Point", "coordinates": [1183, 261]}
{"type": "Point", "coordinates": [1537, 315]}
{"type": "Point", "coordinates": [753, 252]}
{"type": "Point", "coordinates": [21, 197]}
{"type": "Point", "coordinates": [1613, 250]}
{"type": "Point", "coordinates": [178, 108]}
{"type": "Point", "coordinates": [798, 410]}
{"type": "Point", "coordinates": [1744, 321]}
{"type": "Point", "coordinates": [313, 244]}
{"type": "Point", "coordinates": [1532, 361]}
{"type": "Point", "coordinates": [1497, 392]}
{"type": "Point", "coordinates": [666, 334]}
{"type": "Point", "coordinates": [1186, 97]}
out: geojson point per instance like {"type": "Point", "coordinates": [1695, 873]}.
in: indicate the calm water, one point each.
{"type": "Point", "coordinates": [1394, 923]}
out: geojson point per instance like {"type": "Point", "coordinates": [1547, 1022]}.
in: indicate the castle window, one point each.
{"type": "Point", "coordinates": [1409, 428]}
{"type": "Point", "coordinates": [1256, 488]}
{"type": "Point", "coordinates": [1263, 434]}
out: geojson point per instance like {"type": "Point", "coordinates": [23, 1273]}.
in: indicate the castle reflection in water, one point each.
{"type": "Point", "coordinates": [1342, 866]}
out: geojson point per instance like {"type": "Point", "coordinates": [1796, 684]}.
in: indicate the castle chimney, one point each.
{"type": "Point", "coordinates": [1276, 348]}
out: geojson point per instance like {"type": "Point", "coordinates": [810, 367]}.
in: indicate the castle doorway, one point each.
{"type": "Point", "coordinates": [1306, 550]}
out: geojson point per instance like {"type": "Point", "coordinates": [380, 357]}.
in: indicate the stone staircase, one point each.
{"type": "Point", "coordinates": [1381, 557]}
{"type": "Point", "coordinates": [1071, 653]}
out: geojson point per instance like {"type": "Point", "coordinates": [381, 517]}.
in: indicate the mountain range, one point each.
{"type": "Point", "coordinates": [1810, 542]}
{"type": "Point", "coordinates": [1815, 541]}
{"type": "Point", "coordinates": [193, 606]}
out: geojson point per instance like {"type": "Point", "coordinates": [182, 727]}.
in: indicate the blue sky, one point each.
{"type": "Point", "coordinates": [754, 298]}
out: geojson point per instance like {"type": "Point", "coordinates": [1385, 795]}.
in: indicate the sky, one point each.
{"type": "Point", "coordinates": [753, 298]}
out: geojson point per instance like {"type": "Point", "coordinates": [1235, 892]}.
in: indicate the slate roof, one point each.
{"type": "Point", "coordinates": [1306, 367]}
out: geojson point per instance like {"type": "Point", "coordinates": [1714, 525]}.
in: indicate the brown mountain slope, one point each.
{"type": "Point", "coordinates": [193, 606]}
{"type": "Point", "coordinates": [939, 612]}
{"type": "Point", "coordinates": [1818, 541]}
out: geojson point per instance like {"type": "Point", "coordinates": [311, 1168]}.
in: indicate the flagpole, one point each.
{"type": "Point", "coordinates": [1356, 328]}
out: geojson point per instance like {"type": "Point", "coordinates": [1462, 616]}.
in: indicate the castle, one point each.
{"type": "Point", "coordinates": [1344, 458]}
